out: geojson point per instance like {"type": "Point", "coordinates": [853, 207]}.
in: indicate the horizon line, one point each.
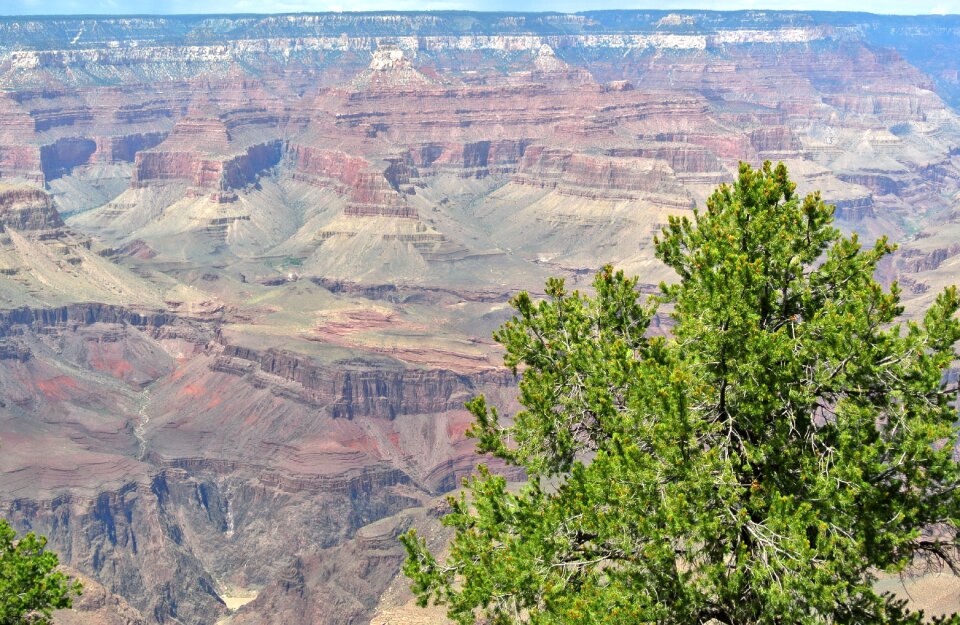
{"type": "Point", "coordinates": [463, 11]}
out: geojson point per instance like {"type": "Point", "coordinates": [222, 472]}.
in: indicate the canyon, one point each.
{"type": "Point", "coordinates": [250, 265]}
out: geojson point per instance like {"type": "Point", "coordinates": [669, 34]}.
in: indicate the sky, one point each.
{"type": "Point", "coordinates": [62, 7]}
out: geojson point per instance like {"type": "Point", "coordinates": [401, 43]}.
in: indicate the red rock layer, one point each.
{"type": "Point", "coordinates": [682, 157]}
{"type": "Point", "coordinates": [371, 192]}
{"type": "Point", "coordinates": [594, 176]}
{"type": "Point", "coordinates": [472, 159]}
{"type": "Point", "coordinates": [21, 161]}
{"type": "Point", "coordinates": [203, 170]}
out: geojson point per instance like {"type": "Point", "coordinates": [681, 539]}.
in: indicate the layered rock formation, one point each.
{"type": "Point", "coordinates": [43, 262]}
{"type": "Point", "coordinates": [27, 208]}
{"type": "Point", "coordinates": [203, 153]}
{"type": "Point", "coordinates": [599, 177]}
{"type": "Point", "coordinates": [371, 190]}
{"type": "Point", "coordinates": [142, 399]}
{"type": "Point", "coordinates": [391, 71]}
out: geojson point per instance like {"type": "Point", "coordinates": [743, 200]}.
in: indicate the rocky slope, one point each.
{"type": "Point", "coordinates": [249, 265]}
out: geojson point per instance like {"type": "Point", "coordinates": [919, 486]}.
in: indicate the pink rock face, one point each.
{"type": "Point", "coordinates": [683, 154]}
{"type": "Point", "coordinates": [166, 166]}
{"type": "Point", "coordinates": [330, 166]}
{"type": "Point", "coordinates": [479, 158]}
{"type": "Point", "coordinates": [776, 140]}
{"type": "Point", "coordinates": [21, 162]}
{"type": "Point", "coordinates": [371, 192]}
{"type": "Point", "coordinates": [595, 177]}
{"type": "Point", "coordinates": [202, 170]}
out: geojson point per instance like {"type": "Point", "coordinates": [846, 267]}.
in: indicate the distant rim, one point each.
{"type": "Point", "coordinates": [465, 12]}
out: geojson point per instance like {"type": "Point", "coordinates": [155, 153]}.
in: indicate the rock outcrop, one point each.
{"type": "Point", "coordinates": [596, 176]}
{"type": "Point", "coordinates": [203, 153]}
{"type": "Point", "coordinates": [97, 604]}
{"type": "Point", "coordinates": [372, 191]}
{"type": "Point", "coordinates": [27, 209]}
{"type": "Point", "coordinates": [391, 70]}
{"type": "Point", "coordinates": [364, 389]}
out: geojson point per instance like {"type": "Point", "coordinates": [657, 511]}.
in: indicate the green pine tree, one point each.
{"type": "Point", "coordinates": [789, 440]}
{"type": "Point", "coordinates": [30, 586]}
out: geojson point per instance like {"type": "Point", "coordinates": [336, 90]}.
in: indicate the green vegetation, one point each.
{"type": "Point", "coordinates": [788, 441]}
{"type": "Point", "coordinates": [30, 586]}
